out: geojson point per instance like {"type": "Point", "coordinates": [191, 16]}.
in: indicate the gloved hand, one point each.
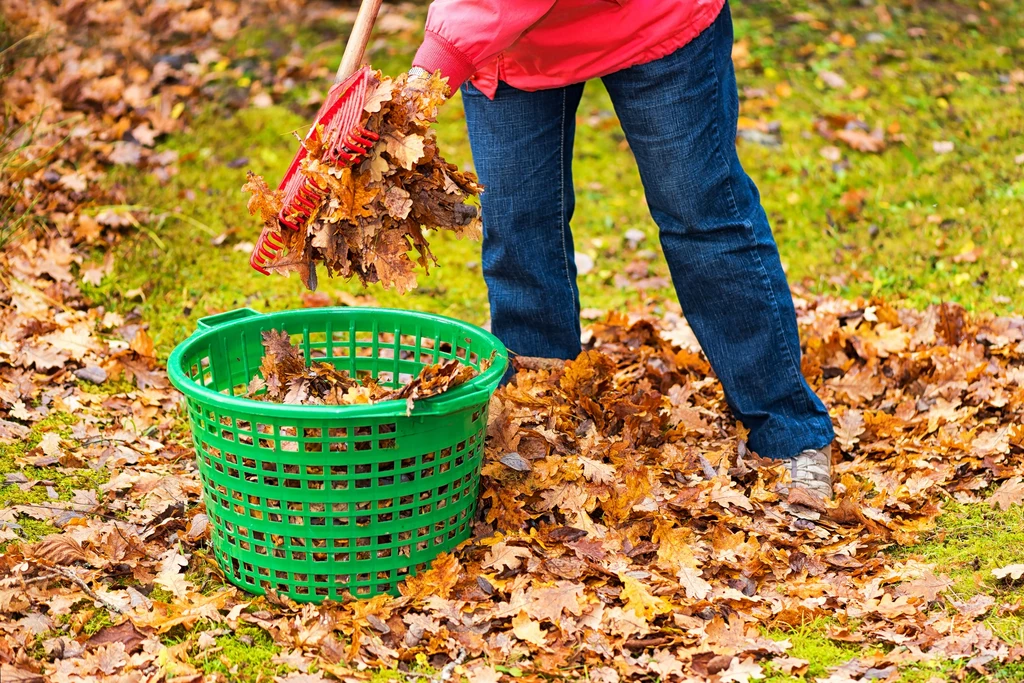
{"type": "Point", "coordinates": [419, 79]}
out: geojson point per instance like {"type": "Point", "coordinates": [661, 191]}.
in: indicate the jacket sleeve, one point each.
{"type": "Point", "coordinates": [463, 35]}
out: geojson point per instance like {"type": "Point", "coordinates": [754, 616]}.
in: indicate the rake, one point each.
{"type": "Point", "coordinates": [337, 122]}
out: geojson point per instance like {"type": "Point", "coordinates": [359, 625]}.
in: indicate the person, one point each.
{"type": "Point", "coordinates": [521, 66]}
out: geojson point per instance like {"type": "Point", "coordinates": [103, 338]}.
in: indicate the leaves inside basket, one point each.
{"type": "Point", "coordinates": [284, 377]}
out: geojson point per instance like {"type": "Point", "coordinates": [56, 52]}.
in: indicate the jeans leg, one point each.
{"type": "Point", "coordinates": [522, 149]}
{"type": "Point", "coordinates": [679, 115]}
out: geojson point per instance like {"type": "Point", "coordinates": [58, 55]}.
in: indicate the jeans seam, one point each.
{"type": "Point", "coordinates": [561, 198]}
{"type": "Point", "coordinates": [749, 229]}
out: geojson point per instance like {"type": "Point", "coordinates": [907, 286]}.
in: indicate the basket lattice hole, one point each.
{"type": "Point", "coordinates": [262, 428]}
{"type": "Point", "coordinates": [426, 359]}
{"type": "Point", "coordinates": [244, 545]}
{"type": "Point", "coordinates": [226, 435]}
{"type": "Point", "coordinates": [339, 485]}
{"type": "Point", "coordinates": [404, 551]}
{"type": "Point", "coordinates": [302, 590]}
{"type": "Point", "coordinates": [386, 517]}
{"type": "Point", "coordinates": [342, 557]}
{"type": "Point", "coordinates": [408, 462]}
{"type": "Point", "coordinates": [231, 457]}
{"type": "Point", "coordinates": [427, 472]}
{"type": "Point", "coordinates": [460, 460]}
{"type": "Point", "coordinates": [339, 507]}
{"type": "Point", "coordinates": [320, 557]}
{"type": "Point", "coordinates": [425, 509]}
{"type": "Point", "coordinates": [363, 520]}
{"type": "Point", "coordinates": [444, 467]}
{"type": "Point", "coordinates": [461, 353]}
{"type": "Point", "coordinates": [266, 443]}
{"type": "Point", "coordinates": [270, 481]}
{"type": "Point", "coordinates": [446, 452]}
{"type": "Point", "coordinates": [297, 520]}
{"type": "Point", "coordinates": [319, 578]}
{"type": "Point", "coordinates": [405, 500]}
{"type": "Point", "coordinates": [474, 359]}
{"type": "Point", "coordinates": [423, 531]}
{"type": "Point", "coordinates": [422, 545]}
{"type": "Point", "coordinates": [385, 481]}
{"type": "Point", "coordinates": [475, 416]}
{"type": "Point", "coordinates": [246, 440]}
{"type": "Point", "coordinates": [299, 556]}
{"type": "Point", "coordinates": [446, 349]}
{"type": "Point", "coordinates": [340, 336]}
{"type": "Point", "coordinates": [384, 553]}
{"type": "Point", "coordinates": [388, 466]}
{"type": "Point", "coordinates": [363, 555]}
{"type": "Point", "coordinates": [460, 446]}
{"type": "Point", "coordinates": [292, 484]}
{"type": "Point", "coordinates": [339, 470]}
{"type": "Point", "coordinates": [298, 542]}
{"type": "Point", "coordinates": [312, 432]}
{"type": "Point", "coordinates": [338, 447]}
{"type": "Point", "coordinates": [318, 521]}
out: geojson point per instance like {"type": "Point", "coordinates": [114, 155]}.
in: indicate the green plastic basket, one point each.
{"type": "Point", "coordinates": [316, 501]}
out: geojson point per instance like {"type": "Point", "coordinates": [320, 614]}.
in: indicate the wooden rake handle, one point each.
{"type": "Point", "coordinates": [357, 41]}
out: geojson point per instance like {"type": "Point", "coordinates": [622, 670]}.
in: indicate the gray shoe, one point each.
{"type": "Point", "coordinates": [811, 470]}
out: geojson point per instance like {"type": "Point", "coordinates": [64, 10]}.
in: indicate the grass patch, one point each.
{"type": "Point", "coordinates": [64, 480]}
{"type": "Point", "coordinates": [969, 542]}
{"type": "Point", "coordinates": [811, 642]}
{"type": "Point", "coordinates": [243, 656]}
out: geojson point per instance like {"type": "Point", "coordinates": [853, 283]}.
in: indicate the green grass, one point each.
{"type": "Point", "coordinates": [971, 541]}
{"type": "Point", "coordinates": [65, 480]}
{"type": "Point", "coordinates": [243, 656]}
{"type": "Point", "coordinates": [811, 642]}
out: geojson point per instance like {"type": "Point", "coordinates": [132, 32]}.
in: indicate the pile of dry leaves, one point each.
{"type": "Point", "coordinates": [376, 213]}
{"type": "Point", "coordinates": [625, 531]}
{"type": "Point", "coordinates": [90, 87]}
{"type": "Point", "coordinates": [285, 378]}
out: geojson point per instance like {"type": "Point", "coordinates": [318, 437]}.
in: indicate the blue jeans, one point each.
{"type": "Point", "coordinates": [679, 116]}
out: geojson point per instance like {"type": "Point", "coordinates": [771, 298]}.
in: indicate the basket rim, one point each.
{"type": "Point", "coordinates": [450, 401]}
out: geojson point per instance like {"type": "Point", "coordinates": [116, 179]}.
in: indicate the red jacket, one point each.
{"type": "Point", "coordinates": [538, 44]}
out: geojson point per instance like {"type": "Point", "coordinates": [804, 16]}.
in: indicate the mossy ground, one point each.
{"type": "Point", "coordinates": [933, 226]}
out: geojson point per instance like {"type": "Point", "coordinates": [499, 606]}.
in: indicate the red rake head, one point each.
{"type": "Point", "coordinates": [338, 122]}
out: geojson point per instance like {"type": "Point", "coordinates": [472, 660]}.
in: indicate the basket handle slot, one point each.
{"type": "Point", "coordinates": [211, 321]}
